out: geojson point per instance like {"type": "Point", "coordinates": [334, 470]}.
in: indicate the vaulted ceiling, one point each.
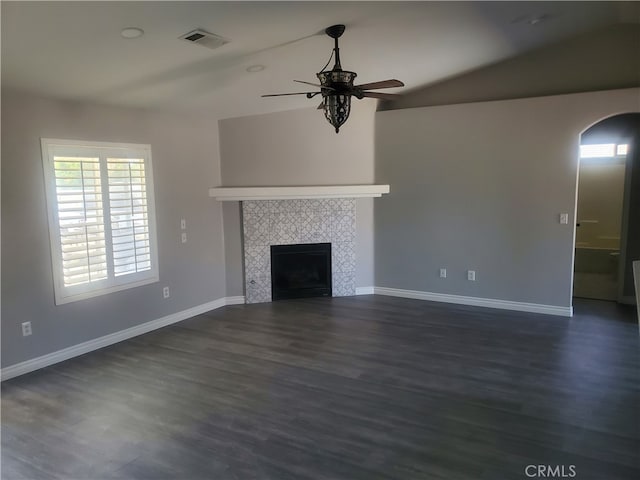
{"type": "Point", "coordinates": [74, 50]}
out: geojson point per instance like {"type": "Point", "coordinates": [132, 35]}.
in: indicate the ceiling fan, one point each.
{"type": "Point", "coordinates": [337, 88]}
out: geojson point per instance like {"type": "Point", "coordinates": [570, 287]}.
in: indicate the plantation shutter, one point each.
{"type": "Point", "coordinates": [129, 215]}
{"type": "Point", "coordinates": [101, 217]}
{"type": "Point", "coordinates": [80, 220]}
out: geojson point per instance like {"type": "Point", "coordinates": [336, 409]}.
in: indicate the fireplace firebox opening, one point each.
{"type": "Point", "coordinates": [302, 270]}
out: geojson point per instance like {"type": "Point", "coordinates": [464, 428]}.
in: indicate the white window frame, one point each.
{"type": "Point", "coordinates": [102, 150]}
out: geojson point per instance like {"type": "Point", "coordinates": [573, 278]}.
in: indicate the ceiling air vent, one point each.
{"type": "Point", "coordinates": [204, 38]}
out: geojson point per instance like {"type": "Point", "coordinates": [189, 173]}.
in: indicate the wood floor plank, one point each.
{"type": "Point", "coordinates": [364, 387]}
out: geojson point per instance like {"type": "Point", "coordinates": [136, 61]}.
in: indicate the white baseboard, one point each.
{"type": "Point", "coordinates": [476, 301]}
{"type": "Point", "coordinates": [364, 290]}
{"type": "Point", "coordinates": [86, 347]}
{"type": "Point", "coordinates": [239, 300]}
{"type": "Point", "coordinates": [629, 300]}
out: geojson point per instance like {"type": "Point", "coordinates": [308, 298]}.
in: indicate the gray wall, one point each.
{"type": "Point", "coordinates": [185, 163]}
{"type": "Point", "coordinates": [298, 147]}
{"type": "Point", "coordinates": [602, 60]}
{"type": "Point", "coordinates": [479, 186]}
{"type": "Point", "coordinates": [233, 247]}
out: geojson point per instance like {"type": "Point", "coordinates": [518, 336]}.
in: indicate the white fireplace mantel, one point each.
{"type": "Point", "coordinates": [226, 194]}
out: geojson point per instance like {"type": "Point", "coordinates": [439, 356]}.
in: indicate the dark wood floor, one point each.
{"type": "Point", "coordinates": [364, 387]}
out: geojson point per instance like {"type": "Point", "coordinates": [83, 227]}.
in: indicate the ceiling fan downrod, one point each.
{"type": "Point", "coordinates": [335, 32]}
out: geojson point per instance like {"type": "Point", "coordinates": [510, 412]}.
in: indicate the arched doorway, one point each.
{"type": "Point", "coordinates": [608, 210]}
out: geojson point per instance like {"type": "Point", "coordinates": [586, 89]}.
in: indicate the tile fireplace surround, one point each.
{"type": "Point", "coordinates": [288, 222]}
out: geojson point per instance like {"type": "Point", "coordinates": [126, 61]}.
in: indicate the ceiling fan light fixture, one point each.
{"type": "Point", "coordinates": [337, 101]}
{"type": "Point", "coordinates": [336, 109]}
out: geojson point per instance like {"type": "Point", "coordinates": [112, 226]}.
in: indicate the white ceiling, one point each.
{"type": "Point", "coordinates": [74, 50]}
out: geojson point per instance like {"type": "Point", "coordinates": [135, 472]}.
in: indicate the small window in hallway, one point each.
{"type": "Point", "coordinates": [603, 150]}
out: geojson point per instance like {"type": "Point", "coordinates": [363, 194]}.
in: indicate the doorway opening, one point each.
{"type": "Point", "coordinates": [608, 210]}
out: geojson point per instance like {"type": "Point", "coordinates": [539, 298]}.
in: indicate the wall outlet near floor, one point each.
{"type": "Point", "coordinates": [443, 273]}
{"type": "Point", "coordinates": [471, 275]}
{"type": "Point", "coordinates": [183, 224]}
{"type": "Point", "coordinates": [165, 292]}
{"type": "Point", "coordinates": [26, 329]}
{"type": "Point", "coordinates": [183, 237]}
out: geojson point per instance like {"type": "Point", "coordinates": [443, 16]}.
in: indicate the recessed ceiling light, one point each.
{"type": "Point", "coordinates": [132, 32]}
{"type": "Point", "coordinates": [534, 19]}
{"type": "Point", "coordinates": [538, 19]}
{"type": "Point", "coordinates": [255, 68]}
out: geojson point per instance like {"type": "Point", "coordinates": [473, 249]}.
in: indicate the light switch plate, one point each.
{"type": "Point", "coordinates": [564, 218]}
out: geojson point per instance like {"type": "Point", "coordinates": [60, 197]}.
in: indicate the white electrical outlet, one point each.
{"type": "Point", "coordinates": [443, 273]}
{"type": "Point", "coordinates": [471, 275]}
{"type": "Point", "coordinates": [183, 224]}
{"type": "Point", "coordinates": [165, 292]}
{"type": "Point", "coordinates": [26, 329]}
{"type": "Point", "coordinates": [183, 237]}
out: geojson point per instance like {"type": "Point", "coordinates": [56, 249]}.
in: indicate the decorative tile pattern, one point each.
{"type": "Point", "coordinates": [256, 229]}
{"type": "Point", "coordinates": [252, 207]}
{"type": "Point", "coordinates": [286, 228]}
{"type": "Point", "coordinates": [258, 289]}
{"type": "Point", "coordinates": [288, 222]}
{"type": "Point", "coordinates": [344, 284]}
{"type": "Point", "coordinates": [343, 257]}
{"type": "Point", "coordinates": [257, 260]}
{"type": "Point", "coordinates": [343, 236]}
{"type": "Point", "coordinates": [341, 204]}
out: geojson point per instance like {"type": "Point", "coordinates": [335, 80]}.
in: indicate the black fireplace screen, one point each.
{"type": "Point", "coordinates": [302, 270]}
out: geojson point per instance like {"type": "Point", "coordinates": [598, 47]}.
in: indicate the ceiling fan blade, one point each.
{"type": "Point", "coordinates": [381, 84]}
{"type": "Point", "coordinates": [381, 96]}
{"type": "Point", "coordinates": [283, 94]}
{"type": "Point", "coordinates": [315, 85]}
